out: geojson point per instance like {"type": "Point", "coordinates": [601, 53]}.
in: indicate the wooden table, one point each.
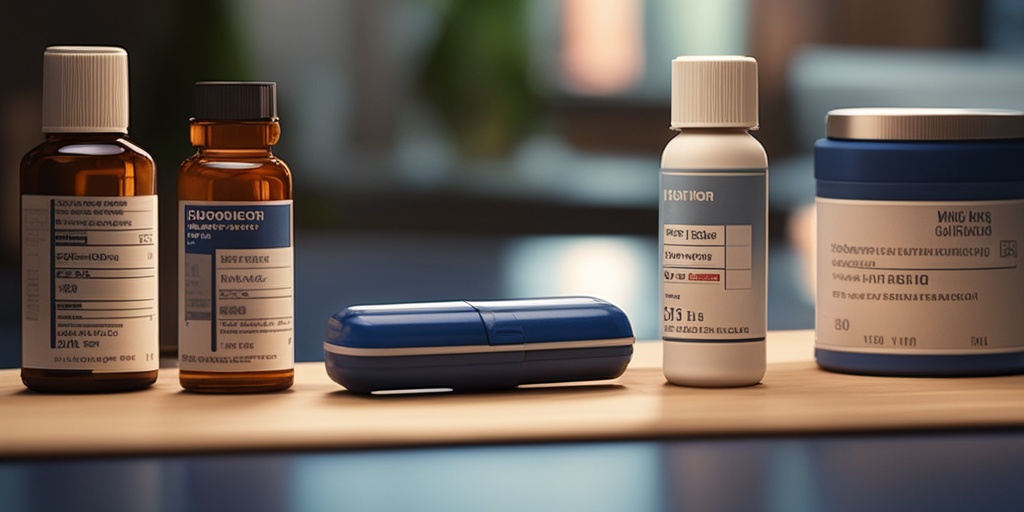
{"type": "Point", "coordinates": [795, 398]}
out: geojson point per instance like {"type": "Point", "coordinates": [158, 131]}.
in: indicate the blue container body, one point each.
{"type": "Point", "coordinates": [479, 345]}
{"type": "Point", "coordinates": [919, 171]}
{"type": "Point", "coordinates": [948, 171]}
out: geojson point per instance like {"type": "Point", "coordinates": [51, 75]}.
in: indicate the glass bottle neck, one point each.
{"type": "Point", "coordinates": [246, 136]}
{"type": "Point", "coordinates": [85, 136]}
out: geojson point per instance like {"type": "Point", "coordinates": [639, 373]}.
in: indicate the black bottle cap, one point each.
{"type": "Point", "coordinates": [237, 101]}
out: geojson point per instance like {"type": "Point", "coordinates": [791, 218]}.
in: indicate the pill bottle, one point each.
{"type": "Point", "coordinates": [235, 260]}
{"type": "Point", "coordinates": [920, 220]}
{"type": "Point", "coordinates": [713, 228]}
{"type": "Point", "coordinates": [88, 234]}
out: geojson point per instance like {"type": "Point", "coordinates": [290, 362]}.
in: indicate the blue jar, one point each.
{"type": "Point", "coordinates": [920, 220]}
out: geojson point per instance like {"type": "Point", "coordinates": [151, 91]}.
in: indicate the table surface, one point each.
{"type": "Point", "coordinates": [795, 398]}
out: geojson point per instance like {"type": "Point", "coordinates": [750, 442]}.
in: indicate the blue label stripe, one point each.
{"type": "Point", "coordinates": [214, 321]}
{"type": "Point", "coordinates": [53, 275]}
{"type": "Point", "coordinates": [212, 227]}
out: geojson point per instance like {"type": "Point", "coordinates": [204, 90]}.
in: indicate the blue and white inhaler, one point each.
{"type": "Point", "coordinates": [713, 209]}
{"type": "Point", "coordinates": [477, 345]}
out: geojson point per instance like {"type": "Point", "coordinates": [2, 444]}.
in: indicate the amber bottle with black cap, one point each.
{"type": "Point", "coordinates": [235, 278]}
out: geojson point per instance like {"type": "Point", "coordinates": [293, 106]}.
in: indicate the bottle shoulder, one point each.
{"type": "Point", "coordinates": [233, 165]}
{"type": "Point", "coordinates": [714, 149]}
{"type": "Point", "coordinates": [86, 153]}
{"type": "Point", "coordinates": [202, 177]}
{"type": "Point", "coordinates": [88, 164]}
{"type": "Point", "coordinates": [87, 146]}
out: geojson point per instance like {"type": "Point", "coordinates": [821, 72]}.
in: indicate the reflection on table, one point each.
{"type": "Point", "coordinates": [948, 471]}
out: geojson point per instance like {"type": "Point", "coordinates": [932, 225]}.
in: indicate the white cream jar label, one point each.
{"type": "Point", "coordinates": [920, 277]}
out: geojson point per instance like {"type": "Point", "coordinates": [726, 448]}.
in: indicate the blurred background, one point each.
{"type": "Point", "coordinates": [464, 149]}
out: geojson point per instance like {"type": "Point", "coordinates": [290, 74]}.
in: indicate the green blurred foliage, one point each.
{"type": "Point", "coordinates": [476, 76]}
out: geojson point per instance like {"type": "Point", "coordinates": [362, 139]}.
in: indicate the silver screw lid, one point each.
{"type": "Point", "coordinates": [921, 124]}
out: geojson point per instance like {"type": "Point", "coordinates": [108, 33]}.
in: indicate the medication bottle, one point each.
{"type": "Point", "coordinates": [235, 279]}
{"type": "Point", "coordinates": [88, 234]}
{"type": "Point", "coordinates": [713, 239]}
{"type": "Point", "coordinates": [920, 216]}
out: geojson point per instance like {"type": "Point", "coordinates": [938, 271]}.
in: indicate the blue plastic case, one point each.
{"type": "Point", "coordinates": [470, 346]}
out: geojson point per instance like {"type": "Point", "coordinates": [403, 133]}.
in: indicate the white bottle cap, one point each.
{"type": "Point", "coordinates": [714, 364]}
{"type": "Point", "coordinates": [85, 89]}
{"type": "Point", "coordinates": [714, 92]}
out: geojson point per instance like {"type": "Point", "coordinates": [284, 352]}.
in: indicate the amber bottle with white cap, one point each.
{"type": "Point", "coordinates": [713, 239]}
{"type": "Point", "coordinates": [88, 233]}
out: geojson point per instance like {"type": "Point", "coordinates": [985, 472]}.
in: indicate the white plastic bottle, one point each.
{"type": "Point", "coordinates": [713, 220]}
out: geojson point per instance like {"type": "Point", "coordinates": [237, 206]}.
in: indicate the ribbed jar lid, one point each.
{"type": "Point", "coordinates": [234, 101]}
{"type": "Point", "coordinates": [909, 124]}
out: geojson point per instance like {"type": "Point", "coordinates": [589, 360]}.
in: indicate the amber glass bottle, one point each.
{"type": "Point", "coordinates": [235, 304]}
{"type": "Point", "coordinates": [88, 232]}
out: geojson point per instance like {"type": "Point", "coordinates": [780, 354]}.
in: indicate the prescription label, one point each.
{"type": "Point", "coordinates": [713, 258]}
{"type": "Point", "coordinates": [89, 283]}
{"type": "Point", "coordinates": [919, 277]}
{"type": "Point", "coordinates": [236, 301]}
